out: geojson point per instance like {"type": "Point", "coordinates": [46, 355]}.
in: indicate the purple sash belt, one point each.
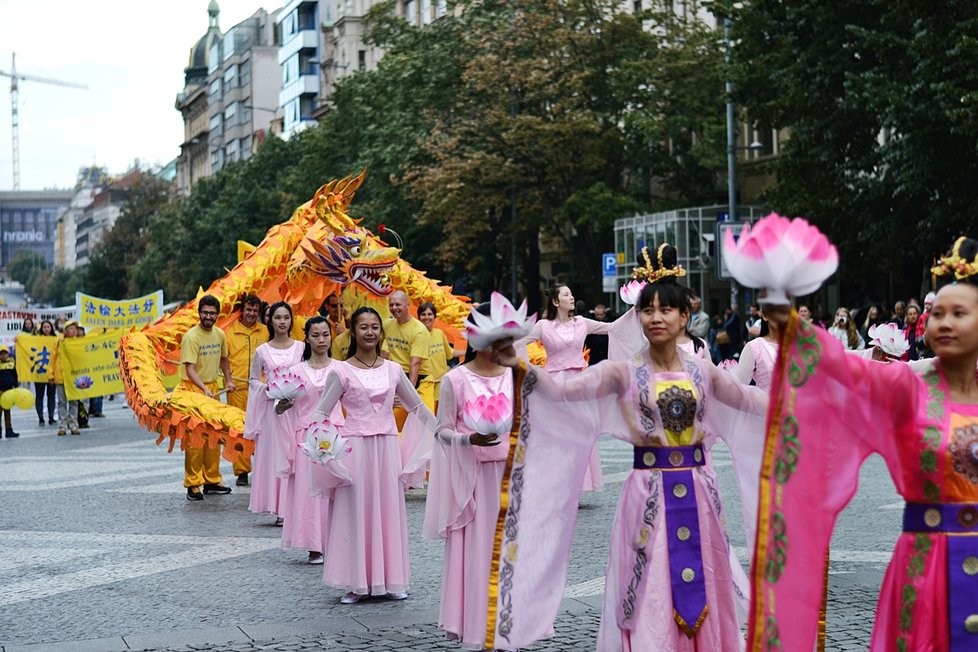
{"type": "Point", "coordinates": [957, 520]}
{"type": "Point", "coordinates": [682, 528]}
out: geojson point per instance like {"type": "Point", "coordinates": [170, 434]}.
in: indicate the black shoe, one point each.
{"type": "Point", "coordinates": [193, 493]}
{"type": "Point", "coordinates": [50, 421]}
{"type": "Point", "coordinates": [216, 489]}
{"type": "Point", "coordinates": [12, 435]}
{"type": "Point", "coordinates": [40, 422]}
{"type": "Point", "coordinates": [242, 480]}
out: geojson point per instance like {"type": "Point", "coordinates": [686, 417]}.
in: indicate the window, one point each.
{"type": "Point", "coordinates": [246, 147]}
{"type": "Point", "coordinates": [214, 91]}
{"type": "Point", "coordinates": [231, 151]}
{"type": "Point", "coordinates": [361, 60]}
{"type": "Point", "coordinates": [410, 12]}
{"type": "Point", "coordinates": [214, 57]}
{"type": "Point", "coordinates": [637, 7]}
{"type": "Point", "coordinates": [244, 73]}
{"type": "Point", "coordinates": [425, 12]}
{"type": "Point", "coordinates": [292, 115]}
{"type": "Point", "coordinates": [230, 111]}
{"type": "Point", "coordinates": [441, 9]}
{"type": "Point", "coordinates": [216, 124]}
{"type": "Point", "coordinates": [290, 70]}
{"type": "Point", "coordinates": [290, 26]}
{"type": "Point", "coordinates": [229, 44]}
{"type": "Point", "coordinates": [230, 76]}
{"type": "Point", "coordinates": [217, 159]}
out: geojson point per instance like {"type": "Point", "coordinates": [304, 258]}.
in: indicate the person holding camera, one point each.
{"type": "Point", "coordinates": [843, 328]}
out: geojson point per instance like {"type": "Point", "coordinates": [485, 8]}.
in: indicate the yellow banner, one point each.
{"type": "Point", "coordinates": [34, 354]}
{"type": "Point", "coordinates": [90, 365]}
{"type": "Point", "coordinates": [127, 313]}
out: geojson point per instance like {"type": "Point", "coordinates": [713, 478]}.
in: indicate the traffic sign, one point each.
{"type": "Point", "coordinates": [608, 262]}
{"type": "Point", "coordinates": [721, 229]}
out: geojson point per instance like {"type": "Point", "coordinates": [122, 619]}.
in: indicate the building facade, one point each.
{"type": "Point", "coordinates": [29, 221]}
{"type": "Point", "coordinates": [300, 25]}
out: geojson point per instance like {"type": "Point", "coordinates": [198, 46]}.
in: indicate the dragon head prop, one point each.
{"type": "Point", "coordinates": [337, 248]}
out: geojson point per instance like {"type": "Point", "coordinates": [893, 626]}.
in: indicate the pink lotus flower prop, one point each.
{"type": "Point", "coordinates": [728, 365]}
{"type": "Point", "coordinates": [324, 443]}
{"type": "Point", "coordinates": [785, 257]}
{"type": "Point", "coordinates": [630, 291]}
{"type": "Point", "coordinates": [489, 415]}
{"type": "Point", "coordinates": [503, 321]}
{"type": "Point", "coordinates": [284, 385]}
{"type": "Point", "coordinates": [890, 339]}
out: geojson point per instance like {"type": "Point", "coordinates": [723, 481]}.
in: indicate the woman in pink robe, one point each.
{"type": "Point", "coordinates": [672, 582]}
{"type": "Point", "coordinates": [829, 411]}
{"type": "Point", "coordinates": [562, 335]}
{"type": "Point", "coordinates": [759, 355]}
{"type": "Point", "coordinates": [261, 422]}
{"type": "Point", "coordinates": [306, 513]}
{"type": "Point", "coordinates": [463, 494]}
{"type": "Point", "coordinates": [367, 551]}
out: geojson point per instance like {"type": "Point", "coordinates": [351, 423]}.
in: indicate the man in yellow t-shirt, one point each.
{"type": "Point", "coordinates": [440, 353]}
{"type": "Point", "coordinates": [244, 336]}
{"type": "Point", "coordinates": [204, 352]}
{"type": "Point", "coordinates": [408, 344]}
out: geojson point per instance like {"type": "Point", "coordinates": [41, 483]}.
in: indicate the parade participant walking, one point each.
{"type": "Point", "coordinates": [67, 410]}
{"type": "Point", "coordinates": [672, 583]}
{"type": "Point", "coordinates": [203, 352]}
{"type": "Point", "coordinates": [440, 353]}
{"type": "Point", "coordinates": [759, 355]}
{"type": "Point", "coordinates": [8, 380]}
{"type": "Point", "coordinates": [562, 336]}
{"type": "Point", "coordinates": [367, 551]}
{"type": "Point", "coordinates": [261, 421]}
{"type": "Point", "coordinates": [408, 344]}
{"type": "Point", "coordinates": [244, 336]}
{"type": "Point", "coordinates": [463, 495]}
{"type": "Point", "coordinates": [829, 411]}
{"type": "Point", "coordinates": [306, 515]}
{"type": "Point", "coordinates": [46, 389]}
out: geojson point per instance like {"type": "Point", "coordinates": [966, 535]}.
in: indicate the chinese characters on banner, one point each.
{"type": "Point", "coordinates": [90, 364]}
{"type": "Point", "coordinates": [127, 313]}
{"type": "Point", "coordinates": [34, 355]}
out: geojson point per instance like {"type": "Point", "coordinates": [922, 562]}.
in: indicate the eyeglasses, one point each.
{"type": "Point", "coordinates": [208, 313]}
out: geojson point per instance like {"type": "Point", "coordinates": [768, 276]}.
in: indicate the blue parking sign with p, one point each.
{"type": "Point", "coordinates": [607, 264]}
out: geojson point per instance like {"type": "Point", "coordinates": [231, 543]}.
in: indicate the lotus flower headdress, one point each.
{"type": "Point", "coordinates": [785, 257]}
{"type": "Point", "coordinates": [630, 291]}
{"type": "Point", "coordinates": [653, 274]}
{"type": "Point", "coordinates": [953, 263]}
{"type": "Point", "coordinates": [502, 321]}
{"type": "Point", "coordinates": [890, 339]}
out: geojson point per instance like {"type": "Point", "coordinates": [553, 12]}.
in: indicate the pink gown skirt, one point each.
{"type": "Point", "coordinates": [593, 476]}
{"type": "Point", "coordinates": [652, 626]}
{"type": "Point", "coordinates": [468, 555]}
{"type": "Point", "coordinates": [367, 551]}
{"type": "Point", "coordinates": [267, 489]}
{"type": "Point", "coordinates": [305, 515]}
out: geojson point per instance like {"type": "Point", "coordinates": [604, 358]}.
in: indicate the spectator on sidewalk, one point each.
{"type": "Point", "coordinates": [8, 380]}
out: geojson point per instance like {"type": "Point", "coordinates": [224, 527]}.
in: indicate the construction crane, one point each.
{"type": "Point", "coordinates": [14, 114]}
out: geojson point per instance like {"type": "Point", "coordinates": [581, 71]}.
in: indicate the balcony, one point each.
{"type": "Point", "coordinates": [306, 84]}
{"type": "Point", "coordinates": [307, 39]}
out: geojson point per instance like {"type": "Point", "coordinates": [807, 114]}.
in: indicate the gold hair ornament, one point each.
{"type": "Point", "coordinates": [654, 275]}
{"type": "Point", "coordinates": [955, 264]}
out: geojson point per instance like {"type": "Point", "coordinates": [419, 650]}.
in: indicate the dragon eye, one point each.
{"type": "Point", "coordinates": [355, 251]}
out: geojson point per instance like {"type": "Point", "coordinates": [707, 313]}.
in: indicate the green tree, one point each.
{"type": "Point", "coordinates": [25, 265]}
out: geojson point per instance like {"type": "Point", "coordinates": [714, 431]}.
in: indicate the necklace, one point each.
{"type": "Point", "coordinates": [368, 366]}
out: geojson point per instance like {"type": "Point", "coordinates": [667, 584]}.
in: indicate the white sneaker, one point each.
{"type": "Point", "coordinates": [400, 595]}
{"type": "Point", "coordinates": [352, 598]}
{"type": "Point", "coordinates": [317, 560]}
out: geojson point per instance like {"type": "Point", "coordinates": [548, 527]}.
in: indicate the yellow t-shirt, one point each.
{"type": "Point", "coordinates": [406, 342]}
{"type": "Point", "coordinates": [440, 351]}
{"type": "Point", "coordinates": [242, 342]}
{"type": "Point", "coordinates": [204, 349]}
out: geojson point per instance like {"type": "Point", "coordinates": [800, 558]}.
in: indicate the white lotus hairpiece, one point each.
{"type": "Point", "coordinates": [502, 321]}
{"type": "Point", "coordinates": [890, 339]}
{"type": "Point", "coordinates": [785, 257]}
{"type": "Point", "coordinates": [630, 291]}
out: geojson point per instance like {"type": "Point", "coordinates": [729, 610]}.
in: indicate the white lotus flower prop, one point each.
{"type": "Point", "coordinates": [891, 340]}
{"type": "Point", "coordinates": [323, 443]}
{"type": "Point", "coordinates": [489, 415]}
{"type": "Point", "coordinates": [284, 385]}
{"type": "Point", "coordinates": [630, 291]}
{"type": "Point", "coordinates": [785, 257]}
{"type": "Point", "coordinates": [503, 321]}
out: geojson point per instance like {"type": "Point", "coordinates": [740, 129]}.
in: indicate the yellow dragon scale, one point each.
{"type": "Point", "coordinates": [320, 249]}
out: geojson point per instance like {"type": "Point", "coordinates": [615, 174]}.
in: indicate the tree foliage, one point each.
{"type": "Point", "coordinates": [25, 265]}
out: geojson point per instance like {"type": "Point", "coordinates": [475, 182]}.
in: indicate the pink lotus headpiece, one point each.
{"type": "Point", "coordinates": [630, 291]}
{"type": "Point", "coordinates": [785, 257]}
{"type": "Point", "coordinates": [890, 339]}
{"type": "Point", "coordinates": [502, 321]}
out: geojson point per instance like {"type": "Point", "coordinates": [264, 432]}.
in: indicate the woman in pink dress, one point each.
{"type": "Point", "coordinates": [562, 335]}
{"type": "Point", "coordinates": [671, 582]}
{"type": "Point", "coordinates": [759, 355]}
{"type": "Point", "coordinates": [829, 411]}
{"type": "Point", "coordinates": [367, 551]}
{"type": "Point", "coordinates": [261, 422]}
{"type": "Point", "coordinates": [306, 513]}
{"type": "Point", "coordinates": [463, 494]}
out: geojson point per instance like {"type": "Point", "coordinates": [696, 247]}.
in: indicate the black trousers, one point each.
{"type": "Point", "coordinates": [39, 390]}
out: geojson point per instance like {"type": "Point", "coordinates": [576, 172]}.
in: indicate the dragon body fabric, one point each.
{"type": "Point", "coordinates": [319, 250]}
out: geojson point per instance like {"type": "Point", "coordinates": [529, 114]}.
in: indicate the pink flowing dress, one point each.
{"type": "Point", "coordinates": [829, 411]}
{"type": "Point", "coordinates": [463, 503]}
{"type": "Point", "coordinates": [757, 363]}
{"type": "Point", "coordinates": [564, 344]}
{"type": "Point", "coordinates": [367, 551]}
{"type": "Point", "coordinates": [266, 427]}
{"type": "Point", "coordinates": [306, 512]}
{"type": "Point", "coordinates": [647, 585]}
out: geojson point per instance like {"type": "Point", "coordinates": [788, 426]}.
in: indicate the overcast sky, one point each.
{"type": "Point", "coordinates": [131, 55]}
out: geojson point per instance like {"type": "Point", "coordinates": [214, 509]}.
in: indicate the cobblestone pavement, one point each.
{"type": "Point", "coordinates": [99, 550]}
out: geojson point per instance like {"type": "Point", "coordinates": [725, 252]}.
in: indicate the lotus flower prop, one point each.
{"type": "Point", "coordinates": [785, 257]}
{"type": "Point", "coordinates": [284, 385]}
{"type": "Point", "coordinates": [891, 340]}
{"type": "Point", "coordinates": [503, 321]}
{"type": "Point", "coordinates": [324, 443]}
{"type": "Point", "coordinates": [630, 291]}
{"type": "Point", "coordinates": [728, 365]}
{"type": "Point", "coordinates": [489, 415]}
